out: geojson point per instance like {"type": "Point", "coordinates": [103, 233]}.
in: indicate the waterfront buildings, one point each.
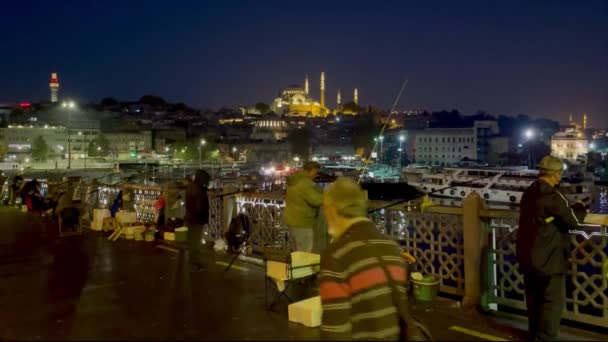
{"type": "Point", "coordinates": [571, 145]}
{"type": "Point", "coordinates": [450, 146]}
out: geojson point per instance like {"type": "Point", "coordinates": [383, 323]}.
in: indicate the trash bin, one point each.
{"type": "Point", "coordinates": [425, 289]}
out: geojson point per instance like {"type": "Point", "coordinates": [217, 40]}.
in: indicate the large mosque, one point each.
{"type": "Point", "coordinates": [296, 101]}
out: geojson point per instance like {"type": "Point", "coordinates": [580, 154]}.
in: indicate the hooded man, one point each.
{"type": "Point", "coordinates": [543, 247]}
{"type": "Point", "coordinates": [302, 204]}
{"type": "Point", "coordinates": [197, 215]}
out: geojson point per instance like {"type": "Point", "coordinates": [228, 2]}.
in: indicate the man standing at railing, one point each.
{"type": "Point", "coordinates": [543, 246]}
{"type": "Point", "coordinates": [302, 204]}
{"type": "Point", "coordinates": [197, 216]}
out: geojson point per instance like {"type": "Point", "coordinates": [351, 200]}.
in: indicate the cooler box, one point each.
{"type": "Point", "coordinates": [169, 236]}
{"type": "Point", "coordinates": [181, 234]}
{"type": "Point", "coordinates": [125, 217]}
{"type": "Point", "coordinates": [307, 312]}
{"type": "Point", "coordinates": [98, 216]}
{"type": "Point", "coordinates": [302, 263]}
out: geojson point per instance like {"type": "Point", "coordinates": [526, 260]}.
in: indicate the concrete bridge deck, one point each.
{"type": "Point", "coordinates": [87, 288]}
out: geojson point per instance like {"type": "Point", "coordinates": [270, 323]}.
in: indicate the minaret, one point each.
{"type": "Point", "coordinates": [54, 85]}
{"type": "Point", "coordinates": [584, 121]}
{"type": "Point", "coordinates": [322, 96]}
{"type": "Point", "coordinates": [339, 99]}
{"type": "Point", "coordinates": [570, 119]}
{"type": "Point", "coordinates": [356, 97]}
{"type": "Point", "coordinates": [306, 85]}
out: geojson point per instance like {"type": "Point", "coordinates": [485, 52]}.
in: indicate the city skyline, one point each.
{"type": "Point", "coordinates": [542, 59]}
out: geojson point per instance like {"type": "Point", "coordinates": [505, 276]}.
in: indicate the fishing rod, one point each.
{"type": "Point", "coordinates": [429, 193]}
{"type": "Point", "coordinates": [382, 129]}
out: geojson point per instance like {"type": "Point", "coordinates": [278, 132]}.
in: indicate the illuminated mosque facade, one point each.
{"type": "Point", "coordinates": [296, 101]}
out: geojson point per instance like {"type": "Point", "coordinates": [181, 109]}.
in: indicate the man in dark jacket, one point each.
{"type": "Point", "coordinates": [197, 215]}
{"type": "Point", "coordinates": [543, 246]}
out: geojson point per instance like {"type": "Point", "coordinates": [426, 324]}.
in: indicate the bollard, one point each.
{"type": "Point", "coordinates": [474, 243]}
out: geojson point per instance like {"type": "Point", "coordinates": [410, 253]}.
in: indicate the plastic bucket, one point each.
{"type": "Point", "coordinates": [426, 289]}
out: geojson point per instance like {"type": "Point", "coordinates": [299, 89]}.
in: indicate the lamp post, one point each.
{"type": "Point", "coordinates": [401, 139]}
{"type": "Point", "coordinates": [69, 105]}
{"type": "Point", "coordinates": [234, 149]}
{"type": "Point", "coordinates": [381, 138]}
{"type": "Point", "coordinates": [84, 149]}
{"type": "Point", "coordinates": [200, 148]}
{"type": "Point", "coordinates": [529, 135]}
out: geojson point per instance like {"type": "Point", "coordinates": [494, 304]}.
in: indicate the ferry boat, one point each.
{"type": "Point", "coordinates": [495, 185]}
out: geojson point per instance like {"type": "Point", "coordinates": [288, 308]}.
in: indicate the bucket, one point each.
{"type": "Point", "coordinates": [425, 290]}
{"type": "Point", "coordinates": [149, 236]}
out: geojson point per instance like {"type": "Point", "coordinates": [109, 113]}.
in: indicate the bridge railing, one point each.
{"type": "Point", "coordinates": [443, 245]}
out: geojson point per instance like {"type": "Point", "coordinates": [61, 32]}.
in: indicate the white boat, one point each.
{"type": "Point", "coordinates": [495, 185]}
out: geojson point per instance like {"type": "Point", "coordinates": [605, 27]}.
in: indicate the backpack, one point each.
{"type": "Point", "coordinates": [238, 232]}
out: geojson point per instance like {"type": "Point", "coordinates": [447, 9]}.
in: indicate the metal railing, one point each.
{"type": "Point", "coordinates": [586, 286]}
{"type": "Point", "coordinates": [436, 238]}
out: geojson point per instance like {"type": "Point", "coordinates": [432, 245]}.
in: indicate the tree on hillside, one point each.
{"type": "Point", "coordinates": [189, 150]}
{"type": "Point", "coordinates": [153, 100]}
{"type": "Point", "coordinates": [364, 131]}
{"type": "Point", "coordinates": [262, 107]}
{"type": "Point", "coordinates": [180, 106]}
{"type": "Point", "coordinates": [300, 141]}
{"type": "Point", "coordinates": [108, 102]}
{"type": "Point", "coordinates": [100, 147]}
{"type": "Point", "coordinates": [352, 107]}
{"type": "Point", "coordinates": [40, 149]}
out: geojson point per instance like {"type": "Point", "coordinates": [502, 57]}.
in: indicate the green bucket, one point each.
{"type": "Point", "coordinates": [426, 290]}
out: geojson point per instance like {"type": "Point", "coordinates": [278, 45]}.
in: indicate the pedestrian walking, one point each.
{"type": "Point", "coordinates": [302, 203]}
{"type": "Point", "coordinates": [543, 247]}
{"type": "Point", "coordinates": [197, 216]}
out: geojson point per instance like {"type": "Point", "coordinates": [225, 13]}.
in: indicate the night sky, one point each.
{"type": "Point", "coordinates": [542, 58]}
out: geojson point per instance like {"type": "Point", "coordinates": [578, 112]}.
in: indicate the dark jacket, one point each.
{"type": "Point", "coordinates": [197, 202]}
{"type": "Point", "coordinates": [543, 241]}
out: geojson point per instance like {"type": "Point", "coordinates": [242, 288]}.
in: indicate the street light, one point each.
{"type": "Point", "coordinates": [84, 149]}
{"type": "Point", "coordinates": [69, 105]}
{"type": "Point", "coordinates": [401, 140]}
{"type": "Point", "coordinates": [381, 138]}
{"type": "Point", "coordinates": [529, 135]}
{"type": "Point", "coordinates": [200, 148]}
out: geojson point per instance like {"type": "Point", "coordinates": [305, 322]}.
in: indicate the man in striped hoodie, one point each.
{"type": "Point", "coordinates": [355, 291]}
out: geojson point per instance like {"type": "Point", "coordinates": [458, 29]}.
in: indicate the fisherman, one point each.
{"type": "Point", "coordinates": [302, 203]}
{"type": "Point", "coordinates": [363, 276]}
{"type": "Point", "coordinates": [197, 216]}
{"type": "Point", "coordinates": [543, 247]}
